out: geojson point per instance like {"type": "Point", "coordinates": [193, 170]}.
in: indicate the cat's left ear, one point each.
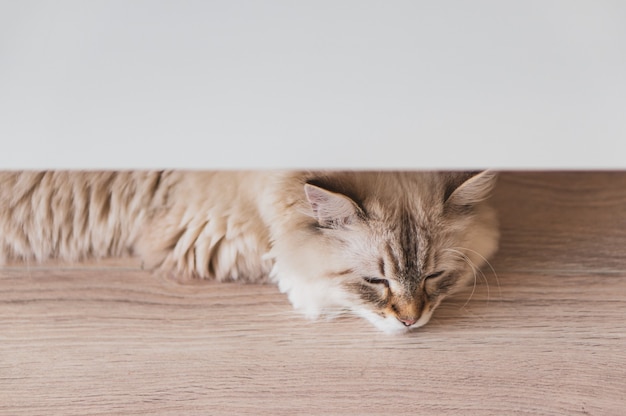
{"type": "Point", "coordinates": [475, 189]}
{"type": "Point", "coordinates": [331, 209]}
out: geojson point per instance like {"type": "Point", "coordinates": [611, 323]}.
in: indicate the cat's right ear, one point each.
{"type": "Point", "coordinates": [473, 190]}
{"type": "Point", "coordinates": [330, 209]}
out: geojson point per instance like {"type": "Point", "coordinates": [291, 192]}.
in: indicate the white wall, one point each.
{"type": "Point", "coordinates": [330, 83]}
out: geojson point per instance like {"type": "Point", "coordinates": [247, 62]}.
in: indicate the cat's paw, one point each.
{"type": "Point", "coordinates": [300, 299]}
{"type": "Point", "coordinates": [312, 298]}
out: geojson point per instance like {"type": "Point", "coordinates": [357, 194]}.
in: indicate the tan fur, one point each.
{"type": "Point", "coordinates": [318, 244]}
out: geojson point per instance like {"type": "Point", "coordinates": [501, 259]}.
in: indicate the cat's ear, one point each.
{"type": "Point", "coordinates": [330, 209]}
{"type": "Point", "coordinates": [473, 190]}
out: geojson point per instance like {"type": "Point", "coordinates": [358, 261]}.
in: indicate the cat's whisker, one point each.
{"type": "Point", "coordinates": [488, 263]}
{"type": "Point", "coordinates": [473, 268]}
{"type": "Point", "coordinates": [473, 290]}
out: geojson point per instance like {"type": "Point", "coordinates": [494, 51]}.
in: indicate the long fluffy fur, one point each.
{"type": "Point", "coordinates": [257, 226]}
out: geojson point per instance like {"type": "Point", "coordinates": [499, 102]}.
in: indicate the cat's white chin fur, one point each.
{"type": "Point", "coordinates": [390, 324]}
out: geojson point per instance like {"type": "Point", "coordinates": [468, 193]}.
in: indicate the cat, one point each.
{"type": "Point", "coordinates": [386, 246]}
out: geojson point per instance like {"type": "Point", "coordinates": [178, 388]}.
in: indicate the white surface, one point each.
{"type": "Point", "coordinates": [366, 84]}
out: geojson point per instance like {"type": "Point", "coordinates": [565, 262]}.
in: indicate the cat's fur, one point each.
{"type": "Point", "coordinates": [386, 246]}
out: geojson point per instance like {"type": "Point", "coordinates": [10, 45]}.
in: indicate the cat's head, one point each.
{"type": "Point", "coordinates": [388, 246]}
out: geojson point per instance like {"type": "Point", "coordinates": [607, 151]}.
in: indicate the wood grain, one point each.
{"type": "Point", "coordinates": [547, 336]}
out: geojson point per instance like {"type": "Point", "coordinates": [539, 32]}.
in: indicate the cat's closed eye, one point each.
{"type": "Point", "coordinates": [376, 281]}
{"type": "Point", "coordinates": [434, 275]}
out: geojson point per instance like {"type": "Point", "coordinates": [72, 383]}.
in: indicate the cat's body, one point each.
{"type": "Point", "coordinates": [386, 246]}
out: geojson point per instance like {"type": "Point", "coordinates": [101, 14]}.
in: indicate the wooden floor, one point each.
{"type": "Point", "coordinates": [547, 336]}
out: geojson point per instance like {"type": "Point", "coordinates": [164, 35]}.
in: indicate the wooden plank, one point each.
{"type": "Point", "coordinates": [84, 342]}
{"type": "Point", "coordinates": [562, 222]}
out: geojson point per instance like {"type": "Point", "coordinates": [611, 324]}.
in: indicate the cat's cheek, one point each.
{"type": "Point", "coordinates": [426, 315]}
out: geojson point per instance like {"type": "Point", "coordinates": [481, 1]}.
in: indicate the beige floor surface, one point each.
{"type": "Point", "coordinates": [547, 336]}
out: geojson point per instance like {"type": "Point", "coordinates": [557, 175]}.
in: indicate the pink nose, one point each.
{"type": "Point", "coordinates": [407, 321]}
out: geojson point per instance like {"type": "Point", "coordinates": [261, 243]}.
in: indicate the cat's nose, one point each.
{"type": "Point", "coordinates": [407, 321]}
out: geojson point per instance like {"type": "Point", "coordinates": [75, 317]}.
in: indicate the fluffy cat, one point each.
{"type": "Point", "coordinates": [387, 246]}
